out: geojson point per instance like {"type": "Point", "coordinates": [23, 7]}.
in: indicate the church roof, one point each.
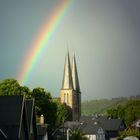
{"type": "Point", "coordinates": [75, 75]}
{"type": "Point", "coordinates": [67, 77]}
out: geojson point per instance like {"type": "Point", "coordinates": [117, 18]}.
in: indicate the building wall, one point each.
{"type": "Point", "coordinates": [66, 96]}
{"type": "Point", "coordinates": [71, 99]}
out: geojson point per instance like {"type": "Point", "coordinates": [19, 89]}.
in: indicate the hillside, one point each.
{"type": "Point", "coordinates": [100, 106]}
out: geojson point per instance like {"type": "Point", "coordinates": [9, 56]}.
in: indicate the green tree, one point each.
{"type": "Point", "coordinates": [12, 87]}
{"type": "Point", "coordinates": [120, 112]}
{"type": "Point", "coordinates": [44, 105]}
{"type": "Point", "coordinates": [113, 112]}
{"type": "Point", "coordinates": [77, 135]}
{"type": "Point", "coordinates": [129, 112]}
{"type": "Point", "coordinates": [129, 132]}
{"type": "Point", "coordinates": [61, 113]}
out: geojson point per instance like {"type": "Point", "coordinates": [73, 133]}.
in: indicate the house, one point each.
{"type": "Point", "coordinates": [91, 131]}
{"type": "Point", "coordinates": [17, 118]}
{"type": "Point", "coordinates": [136, 124]}
{"type": "Point", "coordinates": [42, 129]}
{"type": "Point", "coordinates": [61, 132]}
{"type": "Point", "coordinates": [109, 128]}
{"type": "Point", "coordinates": [92, 128]}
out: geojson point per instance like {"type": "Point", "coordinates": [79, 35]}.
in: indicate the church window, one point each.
{"type": "Point", "coordinates": [66, 98]}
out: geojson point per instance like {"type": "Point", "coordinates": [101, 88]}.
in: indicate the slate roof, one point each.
{"type": "Point", "coordinates": [11, 110]}
{"type": "Point", "coordinates": [111, 124]}
{"type": "Point", "coordinates": [86, 128]}
{"type": "Point", "coordinates": [91, 128]}
{"type": "Point", "coordinates": [30, 110]}
{"type": "Point", "coordinates": [106, 123]}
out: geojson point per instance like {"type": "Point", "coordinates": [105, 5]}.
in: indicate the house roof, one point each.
{"type": "Point", "coordinates": [91, 128]}
{"type": "Point", "coordinates": [86, 128]}
{"type": "Point", "coordinates": [29, 108]}
{"type": "Point", "coordinates": [106, 123]}
{"type": "Point", "coordinates": [31, 118]}
{"type": "Point", "coordinates": [11, 110]}
{"type": "Point", "coordinates": [111, 124]}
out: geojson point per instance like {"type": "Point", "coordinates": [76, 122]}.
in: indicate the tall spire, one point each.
{"type": "Point", "coordinates": [75, 75]}
{"type": "Point", "coordinates": [67, 77]}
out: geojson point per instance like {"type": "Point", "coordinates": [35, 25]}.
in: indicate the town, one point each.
{"type": "Point", "coordinates": [69, 69]}
{"type": "Point", "coordinates": [36, 115]}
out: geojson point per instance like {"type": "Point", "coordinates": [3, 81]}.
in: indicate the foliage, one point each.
{"type": "Point", "coordinates": [77, 135]}
{"type": "Point", "coordinates": [61, 113]}
{"type": "Point", "coordinates": [12, 87]}
{"type": "Point", "coordinates": [129, 132]}
{"type": "Point", "coordinates": [128, 112]}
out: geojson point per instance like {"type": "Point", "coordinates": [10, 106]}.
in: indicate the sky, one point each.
{"type": "Point", "coordinates": [105, 35]}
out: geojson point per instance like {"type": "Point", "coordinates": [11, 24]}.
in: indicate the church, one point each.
{"type": "Point", "coordinates": [70, 93]}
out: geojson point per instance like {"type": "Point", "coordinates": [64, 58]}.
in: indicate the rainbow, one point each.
{"type": "Point", "coordinates": [41, 42]}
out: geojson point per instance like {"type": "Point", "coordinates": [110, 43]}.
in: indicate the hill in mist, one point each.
{"type": "Point", "coordinates": [100, 106]}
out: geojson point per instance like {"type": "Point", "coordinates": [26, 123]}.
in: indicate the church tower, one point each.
{"type": "Point", "coordinates": [76, 87]}
{"type": "Point", "coordinates": [70, 91]}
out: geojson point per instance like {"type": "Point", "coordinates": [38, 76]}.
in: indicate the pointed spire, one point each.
{"type": "Point", "coordinates": [75, 75]}
{"type": "Point", "coordinates": [67, 77]}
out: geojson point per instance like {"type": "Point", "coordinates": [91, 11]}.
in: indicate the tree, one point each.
{"type": "Point", "coordinates": [128, 112]}
{"type": "Point", "coordinates": [77, 135]}
{"type": "Point", "coordinates": [113, 112]}
{"type": "Point", "coordinates": [44, 105]}
{"type": "Point", "coordinates": [129, 132]}
{"type": "Point", "coordinates": [61, 113]}
{"type": "Point", "coordinates": [12, 87]}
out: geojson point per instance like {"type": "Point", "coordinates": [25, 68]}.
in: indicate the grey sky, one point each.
{"type": "Point", "coordinates": [105, 35]}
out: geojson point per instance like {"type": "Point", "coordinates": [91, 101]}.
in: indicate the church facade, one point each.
{"type": "Point", "coordinates": [70, 93]}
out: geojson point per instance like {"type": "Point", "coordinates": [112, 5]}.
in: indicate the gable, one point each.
{"type": "Point", "coordinates": [10, 114]}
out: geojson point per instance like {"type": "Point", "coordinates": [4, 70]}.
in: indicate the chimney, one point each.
{"type": "Point", "coordinates": [42, 119]}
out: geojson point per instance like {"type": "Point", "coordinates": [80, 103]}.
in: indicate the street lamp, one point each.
{"type": "Point", "coordinates": [68, 130]}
